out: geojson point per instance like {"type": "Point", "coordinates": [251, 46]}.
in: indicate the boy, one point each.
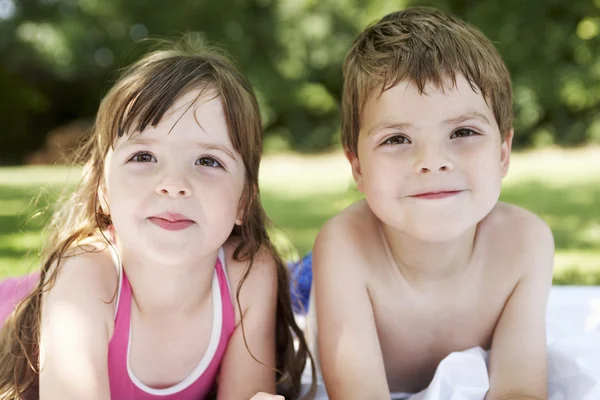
{"type": "Point", "coordinates": [430, 262]}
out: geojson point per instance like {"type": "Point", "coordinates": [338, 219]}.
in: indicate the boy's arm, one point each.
{"type": "Point", "coordinates": [241, 376]}
{"type": "Point", "coordinates": [350, 354]}
{"type": "Point", "coordinates": [518, 359]}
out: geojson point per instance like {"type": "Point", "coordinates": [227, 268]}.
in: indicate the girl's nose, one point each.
{"type": "Point", "coordinates": [174, 187]}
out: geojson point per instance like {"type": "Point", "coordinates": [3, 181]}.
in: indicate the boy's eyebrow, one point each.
{"type": "Point", "coordinates": [450, 121]}
{"type": "Point", "coordinates": [466, 117]}
{"type": "Point", "coordinates": [389, 124]}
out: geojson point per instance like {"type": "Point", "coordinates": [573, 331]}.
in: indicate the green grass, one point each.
{"type": "Point", "coordinates": [301, 192]}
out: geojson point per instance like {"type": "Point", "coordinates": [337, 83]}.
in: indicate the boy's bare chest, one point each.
{"type": "Point", "coordinates": [415, 336]}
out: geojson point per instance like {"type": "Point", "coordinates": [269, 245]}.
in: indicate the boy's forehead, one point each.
{"type": "Point", "coordinates": [404, 101]}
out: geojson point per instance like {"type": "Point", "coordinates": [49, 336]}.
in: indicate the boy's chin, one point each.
{"type": "Point", "coordinates": [438, 232]}
{"type": "Point", "coordinates": [441, 236]}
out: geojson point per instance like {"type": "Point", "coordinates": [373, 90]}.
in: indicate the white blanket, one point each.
{"type": "Point", "coordinates": [573, 322]}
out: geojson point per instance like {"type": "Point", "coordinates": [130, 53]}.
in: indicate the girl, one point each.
{"type": "Point", "coordinates": [159, 280]}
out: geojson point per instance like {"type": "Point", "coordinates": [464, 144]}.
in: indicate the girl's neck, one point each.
{"type": "Point", "coordinates": [160, 289]}
{"type": "Point", "coordinates": [428, 263]}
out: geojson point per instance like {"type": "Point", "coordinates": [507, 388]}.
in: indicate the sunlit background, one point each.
{"type": "Point", "coordinates": [58, 57]}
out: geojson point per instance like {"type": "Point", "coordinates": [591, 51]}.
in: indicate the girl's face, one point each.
{"type": "Point", "coordinates": [174, 191]}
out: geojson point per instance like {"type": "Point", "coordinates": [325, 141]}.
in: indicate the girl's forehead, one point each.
{"type": "Point", "coordinates": [195, 112]}
{"type": "Point", "coordinates": [195, 100]}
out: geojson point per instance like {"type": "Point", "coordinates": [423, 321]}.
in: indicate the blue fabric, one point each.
{"type": "Point", "coordinates": [301, 279]}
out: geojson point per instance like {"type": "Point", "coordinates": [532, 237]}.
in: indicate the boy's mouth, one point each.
{"type": "Point", "coordinates": [436, 195]}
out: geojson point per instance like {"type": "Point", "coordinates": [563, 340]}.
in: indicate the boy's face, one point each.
{"type": "Point", "coordinates": [430, 165]}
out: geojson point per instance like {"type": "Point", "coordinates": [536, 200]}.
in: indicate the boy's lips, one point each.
{"type": "Point", "coordinates": [436, 194]}
{"type": "Point", "coordinates": [171, 221]}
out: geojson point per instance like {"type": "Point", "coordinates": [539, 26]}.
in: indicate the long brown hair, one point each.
{"type": "Point", "coordinates": [140, 97]}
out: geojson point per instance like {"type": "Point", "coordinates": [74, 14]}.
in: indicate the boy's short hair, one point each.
{"type": "Point", "coordinates": [422, 45]}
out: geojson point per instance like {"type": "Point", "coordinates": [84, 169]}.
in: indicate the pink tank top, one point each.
{"type": "Point", "coordinates": [123, 382]}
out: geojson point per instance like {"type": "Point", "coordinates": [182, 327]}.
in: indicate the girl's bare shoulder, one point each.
{"type": "Point", "coordinates": [88, 268]}
{"type": "Point", "coordinates": [260, 278]}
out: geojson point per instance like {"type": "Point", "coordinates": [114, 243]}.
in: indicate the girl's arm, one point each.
{"type": "Point", "coordinates": [77, 318]}
{"type": "Point", "coordinates": [241, 376]}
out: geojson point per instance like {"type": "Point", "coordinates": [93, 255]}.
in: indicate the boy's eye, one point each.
{"type": "Point", "coordinates": [463, 132]}
{"type": "Point", "coordinates": [398, 139]}
{"type": "Point", "coordinates": [208, 162]}
{"type": "Point", "coordinates": [143, 157]}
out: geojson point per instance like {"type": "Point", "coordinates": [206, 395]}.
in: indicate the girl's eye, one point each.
{"type": "Point", "coordinates": [398, 139]}
{"type": "Point", "coordinates": [208, 162]}
{"type": "Point", "coordinates": [463, 132]}
{"type": "Point", "coordinates": [143, 157]}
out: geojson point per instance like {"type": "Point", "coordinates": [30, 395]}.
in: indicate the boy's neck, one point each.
{"type": "Point", "coordinates": [167, 290]}
{"type": "Point", "coordinates": [426, 263]}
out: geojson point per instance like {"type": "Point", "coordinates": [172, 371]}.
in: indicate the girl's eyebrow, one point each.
{"type": "Point", "coordinates": [218, 147]}
{"type": "Point", "coordinates": [136, 140]}
{"type": "Point", "coordinates": [203, 145]}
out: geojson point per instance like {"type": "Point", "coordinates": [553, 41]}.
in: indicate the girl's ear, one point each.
{"type": "Point", "coordinates": [245, 201]}
{"type": "Point", "coordinates": [103, 185]}
{"type": "Point", "coordinates": [240, 216]}
{"type": "Point", "coordinates": [103, 198]}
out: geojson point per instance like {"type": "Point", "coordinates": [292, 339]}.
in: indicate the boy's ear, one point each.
{"type": "Point", "coordinates": [356, 170]}
{"type": "Point", "coordinates": [505, 152]}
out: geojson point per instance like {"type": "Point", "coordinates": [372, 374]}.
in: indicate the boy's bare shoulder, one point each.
{"type": "Point", "coordinates": [352, 223]}
{"type": "Point", "coordinates": [514, 222]}
{"type": "Point", "coordinates": [514, 234]}
{"type": "Point", "coordinates": [351, 237]}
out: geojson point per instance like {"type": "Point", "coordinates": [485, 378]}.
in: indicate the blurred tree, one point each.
{"type": "Point", "coordinates": [552, 49]}
{"type": "Point", "coordinates": [57, 59]}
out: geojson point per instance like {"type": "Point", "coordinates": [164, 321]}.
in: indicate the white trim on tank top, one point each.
{"type": "Point", "coordinates": [215, 337]}
{"type": "Point", "coordinates": [117, 261]}
{"type": "Point", "coordinates": [213, 344]}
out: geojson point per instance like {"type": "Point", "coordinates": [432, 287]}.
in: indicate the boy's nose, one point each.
{"type": "Point", "coordinates": [433, 160]}
{"type": "Point", "coordinates": [440, 168]}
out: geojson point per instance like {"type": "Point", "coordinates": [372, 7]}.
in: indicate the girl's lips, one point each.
{"type": "Point", "coordinates": [436, 195]}
{"type": "Point", "coordinates": [175, 225]}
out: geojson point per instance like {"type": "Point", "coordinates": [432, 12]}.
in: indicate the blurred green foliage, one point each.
{"type": "Point", "coordinates": [57, 59]}
{"type": "Point", "coordinates": [561, 186]}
